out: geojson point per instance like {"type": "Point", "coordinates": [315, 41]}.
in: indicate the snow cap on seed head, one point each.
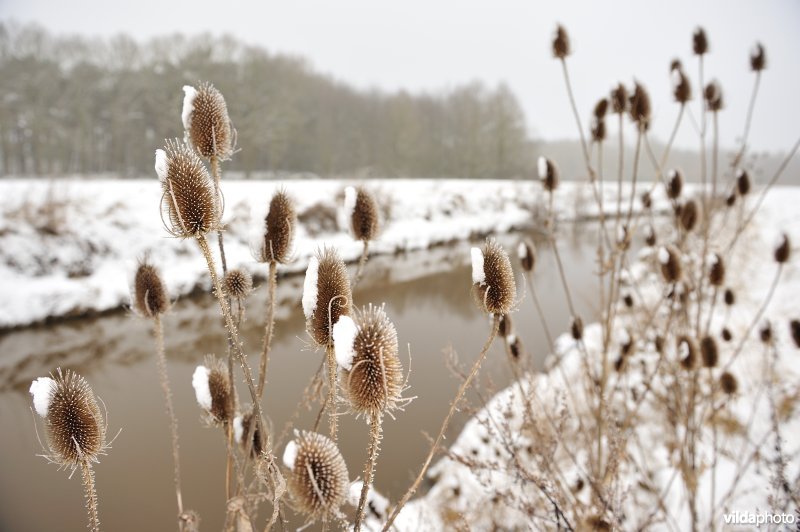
{"type": "Point", "coordinates": [212, 388]}
{"type": "Point", "coordinates": [526, 252]}
{"type": "Point", "coordinates": [495, 291]}
{"type": "Point", "coordinates": [326, 295]}
{"type": "Point", "coordinates": [205, 119]}
{"type": "Point", "coordinates": [548, 173]}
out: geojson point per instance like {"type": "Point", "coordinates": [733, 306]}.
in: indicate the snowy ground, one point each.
{"type": "Point", "coordinates": [68, 247]}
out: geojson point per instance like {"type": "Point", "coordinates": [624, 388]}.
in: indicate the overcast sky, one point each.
{"type": "Point", "coordinates": [424, 45]}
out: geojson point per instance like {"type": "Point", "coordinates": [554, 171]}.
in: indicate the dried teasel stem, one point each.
{"type": "Point", "coordinates": [87, 475]}
{"type": "Point", "coordinates": [269, 329]}
{"type": "Point", "coordinates": [375, 434]}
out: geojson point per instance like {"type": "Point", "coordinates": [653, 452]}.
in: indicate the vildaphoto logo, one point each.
{"type": "Point", "coordinates": [759, 518]}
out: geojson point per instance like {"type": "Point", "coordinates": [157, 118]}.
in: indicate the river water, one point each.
{"type": "Point", "coordinates": [427, 296]}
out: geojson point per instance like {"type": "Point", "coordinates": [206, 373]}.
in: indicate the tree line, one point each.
{"type": "Point", "coordinates": [80, 105]}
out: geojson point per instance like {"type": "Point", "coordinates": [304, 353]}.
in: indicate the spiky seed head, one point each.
{"type": "Point", "coordinates": [783, 250]}
{"type": "Point", "coordinates": [505, 327]}
{"type": "Point", "coordinates": [689, 215]}
{"type": "Point", "coordinates": [726, 334]}
{"type": "Point", "coordinates": [716, 275]}
{"type": "Point", "coordinates": [628, 300]}
{"type": "Point", "coordinates": [494, 291]}
{"type": "Point", "coordinates": [728, 383]}
{"type": "Point", "coordinates": [208, 127]}
{"type": "Point", "coordinates": [658, 343]}
{"type": "Point", "coordinates": [647, 200]}
{"type": "Point", "coordinates": [548, 173]}
{"type": "Point", "coordinates": [627, 343]}
{"type": "Point", "coordinates": [279, 229]}
{"type": "Point", "coordinates": [619, 99]}
{"type": "Point", "coordinates": [332, 292]}
{"type": "Point", "coordinates": [561, 47]}
{"type": "Point", "coordinates": [598, 129]}
{"type": "Point", "coordinates": [318, 480]}
{"type": "Point", "coordinates": [674, 183]}
{"type": "Point", "coordinates": [709, 351]}
{"type": "Point", "coordinates": [729, 297]}
{"type": "Point", "coordinates": [670, 261]}
{"type": "Point", "coordinates": [238, 283]}
{"type": "Point", "coordinates": [758, 58]}
{"type": "Point", "coordinates": [576, 328]}
{"type": "Point", "coordinates": [189, 203]}
{"type": "Point", "coordinates": [375, 380]}
{"type": "Point", "coordinates": [794, 328]}
{"type": "Point", "coordinates": [640, 108]}
{"type": "Point", "coordinates": [765, 332]}
{"type": "Point", "coordinates": [687, 352]}
{"type": "Point", "coordinates": [681, 88]}
{"type": "Point", "coordinates": [75, 428]}
{"type": "Point", "coordinates": [620, 364]}
{"type": "Point", "coordinates": [526, 252]}
{"type": "Point", "coordinates": [650, 236]}
{"type": "Point", "coordinates": [213, 390]}
{"type": "Point", "coordinates": [601, 108]}
{"type": "Point", "coordinates": [675, 64]}
{"type": "Point", "coordinates": [514, 346]}
{"type": "Point", "coordinates": [742, 182]}
{"type": "Point", "coordinates": [150, 297]}
{"type": "Point", "coordinates": [713, 96]}
{"type": "Point", "coordinates": [730, 201]}
{"type": "Point", "coordinates": [241, 425]}
{"type": "Point", "coordinates": [699, 41]}
{"type": "Point", "coordinates": [362, 213]}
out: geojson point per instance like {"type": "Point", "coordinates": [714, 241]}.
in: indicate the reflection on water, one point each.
{"type": "Point", "coordinates": [427, 295]}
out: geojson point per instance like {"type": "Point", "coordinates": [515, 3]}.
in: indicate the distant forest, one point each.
{"type": "Point", "coordinates": [77, 105]}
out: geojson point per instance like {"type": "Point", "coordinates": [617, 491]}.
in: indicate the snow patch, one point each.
{"type": "Point", "coordinates": [350, 196]}
{"type": "Point", "coordinates": [522, 251]}
{"type": "Point", "coordinates": [344, 335]}
{"type": "Point", "coordinates": [290, 454]}
{"type": "Point", "coordinates": [310, 287]}
{"type": "Point", "coordinates": [238, 429]}
{"type": "Point", "coordinates": [542, 165]}
{"type": "Point", "coordinates": [663, 255]}
{"type": "Point", "coordinates": [189, 94]}
{"type": "Point", "coordinates": [201, 389]}
{"type": "Point", "coordinates": [42, 390]}
{"type": "Point", "coordinates": [161, 165]}
{"type": "Point", "coordinates": [478, 275]}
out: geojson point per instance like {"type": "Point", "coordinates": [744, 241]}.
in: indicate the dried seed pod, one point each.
{"type": "Point", "coordinates": [526, 252]}
{"type": "Point", "coordinates": [716, 273]}
{"type": "Point", "coordinates": [730, 201]}
{"type": "Point", "coordinates": [362, 212]}
{"type": "Point", "coordinates": [640, 108]}
{"type": "Point", "coordinates": [597, 523]}
{"type": "Point", "coordinates": [675, 64]}
{"type": "Point", "coordinates": [598, 129]}
{"type": "Point", "coordinates": [279, 228]}
{"type": "Point", "coordinates": [670, 261]}
{"type": "Point", "coordinates": [689, 215]}
{"type": "Point", "coordinates": [213, 390]}
{"type": "Point", "coordinates": [681, 88]}
{"type": "Point", "coordinates": [561, 48]}
{"type": "Point", "coordinates": [241, 427]}
{"type": "Point", "coordinates": [205, 119]}
{"type": "Point", "coordinates": [189, 198]}
{"type": "Point", "coordinates": [726, 334]}
{"type": "Point", "coordinates": [794, 328]}
{"type": "Point", "coordinates": [647, 201]}
{"type": "Point", "coordinates": [515, 348]}
{"type": "Point", "coordinates": [709, 351]}
{"type": "Point", "coordinates": [628, 300]}
{"type": "Point", "coordinates": [576, 328]}
{"type": "Point", "coordinates": [493, 284]}
{"type": "Point", "coordinates": [699, 41]}
{"type": "Point", "coordinates": [650, 236]}
{"type": "Point", "coordinates": [505, 326]}
{"type": "Point", "coordinates": [326, 294]}
{"type": "Point", "coordinates": [626, 343]}
{"type": "Point", "coordinates": [318, 480]}
{"type": "Point", "coordinates": [765, 332]}
{"type": "Point", "coordinates": [75, 428]}
{"type": "Point", "coordinates": [687, 352]}
{"type": "Point", "coordinates": [368, 356]}
{"type": "Point", "coordinates": [601, 108]}
{"type": "Point", "coordinates": [783, 250]}
{"type": "Point", "coordinates": [619, 99]}
{"type": "Point", "coordinates": [729, 297]}
{"type": "Point", "coordinates": [742, 182]}
{"type": "Point", "coordinates": [728, 383]}
{"type": "Point", "coordinates": [238, 283]}
{"type": "Point", "coordinates": [658, 343]}
{"type": "Point", "coordinates": [150, 297]}
{"type": "Point", "coordinates": [675, 183]}
{"type": "Point", "coordinates": [758, 58]}
{"type": "Point", "coordinates": [548, 173]}
{"type": "Point", "coordinates": [623, 237]}
{"type": "Point", "coordinates": [713, 96]}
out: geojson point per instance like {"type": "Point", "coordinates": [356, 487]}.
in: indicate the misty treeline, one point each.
{"type": "Point", "coordinates": [76, 105]}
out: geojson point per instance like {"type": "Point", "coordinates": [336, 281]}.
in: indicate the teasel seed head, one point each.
{"type": "Point", "coordinates": [318, 481]}
{"type": "Point", "coordinates": [241, 427]}
{"type": "Point", "coordinates": [189, 202]}
{"type": "Point", "coordinates": [576, 328]}
{"type": "Point", "coordinates": [205, 119]}
{"type": "Point", "coordinates": [699, 41]}
{"type": "Point", "coordinates": [327, 286]}
{"type": "Point", "coordinates": [670, 261]}
{"type": "Point", "coordinates": [758, 58]}
{"type": "Point", "coordinates": [647, 200]}
{"type": "Point", "coordinates": [548, 173]}
{"type": "Point", "coordinates": [709, 351]}
{"type": "Point", "coordinates": [783, 250]}
{"type": "Point", "coordinates": [650, 236]}
{"type": "Point", "coordinates": [561, 47]}
{"type": "Point", "coordinates": [675, 183]}
{"type": "Point", "coordinates": [368, 356]}
{"type": "Point", "coordinates": [626, 343]}
{"type": "Point", "coordinates": [150, 297]}
{"type": "Point", "coordinates": [681, 88]}
{"type": "Point", "coordinates": [526, 252]}
{"type": "Point", "coordinates": [658, 343]}
{"type": "Point", "coordinates": [362, 212]}
{"type": "Point", "coordinates": [515, 347]}
{"type": "Point", "coordinates": [598, 129]}
{"type": "Point", "coordinates": [238, 283]}
{"type": "Point", "coordinates": [728, 383]}
{"type": "Point", "coordinates": [640, 108]}
{"type": "Point", "coordinates": [742, 182]}
{"type": "Point", "coordinates": [628, 300]}
{"type": "Point", "coordinates": [716, 275]}
{"type": "Point", "coordinates": [493, 284]}
{"type": "Point", "coordinates": [687, 352]}
{"type": "Point", "coordinates": [730, 201]}
{"type": "Point", "coordinates": [505, 327]}
{"type": "Point", "coordinates": [213, 390]}
{"type": "Point", "coordinates": [689, 215]}
{"type": "Point", "coordinates": [279, 230]}
{"type": "Point", "coordinates": [601, 108]}
{"type": "Point", "coordinates": [729, 297]}
{"type": "Point", "coordinates": [765, 332]}
{"type": "Point", "coordinates": [75, 428]}
{"type": "Point", "coordinates": [713, 96]}
{"type": "Point", "coordinates": [794, 328]}
{"type": "Point", "coordinates": [619, 99]}
{"type": "Point", "coordinates": [726, 334]}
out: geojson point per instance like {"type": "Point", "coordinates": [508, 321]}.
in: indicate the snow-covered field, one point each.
{"type": "Point", "coordinates": [68, 247]}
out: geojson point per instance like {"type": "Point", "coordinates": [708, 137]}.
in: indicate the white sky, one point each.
{"type": "Point", "coordinates": [428, 45]}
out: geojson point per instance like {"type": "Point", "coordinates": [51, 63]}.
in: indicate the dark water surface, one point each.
{"type": "Point", "coordinates": [427, 296]}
